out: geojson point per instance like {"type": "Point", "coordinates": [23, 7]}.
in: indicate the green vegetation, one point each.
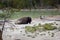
{"type": "Point", "coordinates": [30, 29]}
{"type": "Point", "coordinates": [47, 26]}
{"type": "Point", "coordinates": [19, 14]}
{"type": "Point", "coordinates": [31, 13]}
{"type": "Point", "coordinates": [6, 13]}
{"type": "Point", "coordinates": [28, 3]}
{"type": "Point", "coordinates": [2, 15]}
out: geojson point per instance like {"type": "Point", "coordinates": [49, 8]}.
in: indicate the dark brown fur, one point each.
{"type": "Point", "coordinates": [24, 20]}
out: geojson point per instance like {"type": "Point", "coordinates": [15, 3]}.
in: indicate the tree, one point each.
{"type": "Point", "coordinates": [7, 12]}
{"type": "Point", "coordinates": [30, 3]}
{"type": "Point", "coordinates": [5, 15]}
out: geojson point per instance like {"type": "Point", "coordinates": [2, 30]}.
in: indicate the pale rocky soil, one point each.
{"type": "Point", "coordinates": [18, 32]}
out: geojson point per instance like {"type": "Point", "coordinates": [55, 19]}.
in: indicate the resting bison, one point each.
{"type": "Point", "coordinates": [24, 20]}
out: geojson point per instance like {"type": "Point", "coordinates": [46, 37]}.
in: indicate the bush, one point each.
{"type": "Point", "coordinates": [1, 5]}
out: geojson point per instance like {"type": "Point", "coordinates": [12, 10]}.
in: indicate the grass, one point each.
{"type": "Point", "coordinates": [33, 14]}
{"type": "Point", "coordinates": [30, 29]}
{"type": "Point", "coordinates": [49, 26]}
{"type": "Point", "coordinates": [40, 27]}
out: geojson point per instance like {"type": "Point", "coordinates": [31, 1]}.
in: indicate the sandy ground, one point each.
{"type": "Point", "coordinates": [18, 32]}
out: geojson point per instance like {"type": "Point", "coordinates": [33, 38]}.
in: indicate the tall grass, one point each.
{"type": "Point", "coordinates": [34, 14]}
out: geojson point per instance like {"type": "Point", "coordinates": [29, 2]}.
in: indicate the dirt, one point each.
{"type": "Point", "coordinates": [10, 34]}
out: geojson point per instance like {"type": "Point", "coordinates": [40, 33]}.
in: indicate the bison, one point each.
{"type": "Point", "coordinates": [24, 20]}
